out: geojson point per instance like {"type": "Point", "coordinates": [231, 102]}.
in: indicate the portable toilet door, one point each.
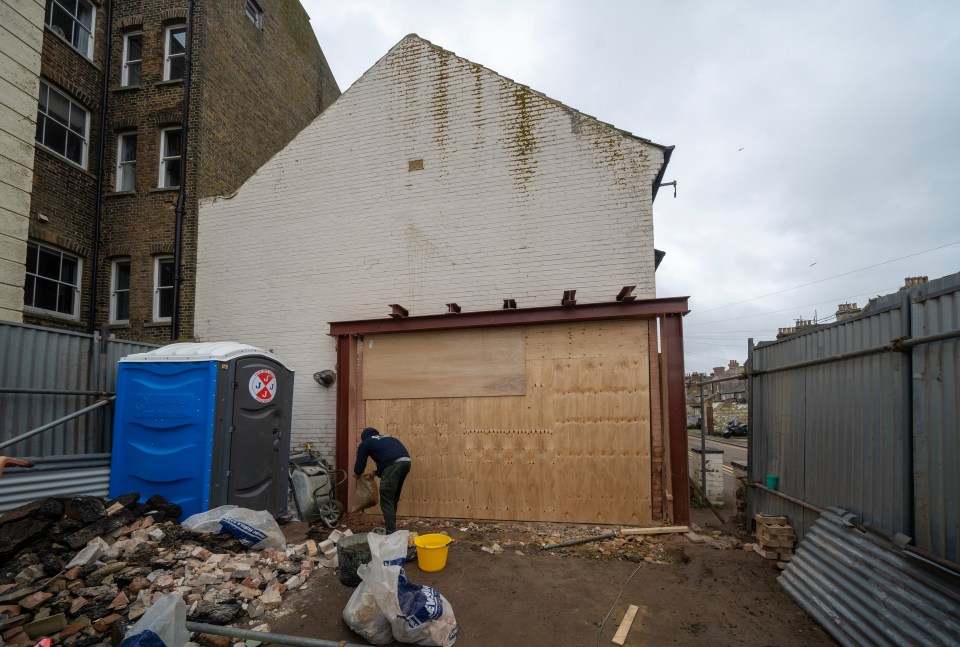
{"type": "Point", "coordinates": [254, 419]}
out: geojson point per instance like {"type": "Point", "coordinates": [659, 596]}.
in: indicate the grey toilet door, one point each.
{"type": "Point", "coordinates": [255, 444]}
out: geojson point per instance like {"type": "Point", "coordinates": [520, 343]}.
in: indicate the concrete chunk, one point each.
{"type": "Point", "coordinates": [90, 553]}
{"type": "Point", "coordinates": [271, 599]}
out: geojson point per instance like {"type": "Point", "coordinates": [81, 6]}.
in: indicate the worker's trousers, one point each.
{"type": "Point", "coordinates": [391, 483]}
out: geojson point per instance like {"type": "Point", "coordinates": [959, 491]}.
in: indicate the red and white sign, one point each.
{"type": "Point", "coordinates": [263, 385]}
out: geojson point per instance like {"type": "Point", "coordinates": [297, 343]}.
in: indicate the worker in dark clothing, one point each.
{"type": "Point", "coordinates": [393, 465]}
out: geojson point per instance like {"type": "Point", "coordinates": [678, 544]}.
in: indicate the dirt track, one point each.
{"type": "Point", "coordinates": [689, 594]}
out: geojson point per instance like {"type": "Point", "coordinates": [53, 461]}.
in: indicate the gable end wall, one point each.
{"type": "Point", "coordinates": [518, 197]}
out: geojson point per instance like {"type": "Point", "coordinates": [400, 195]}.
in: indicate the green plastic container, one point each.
{"type": "Point", "coordinates": [772, 481]}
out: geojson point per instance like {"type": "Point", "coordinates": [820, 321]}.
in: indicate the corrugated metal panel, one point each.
{"type": "Point", "coordinates": [40, 358]}
{"type": "Point", "coordinates": [33, 357]}
{"type": "Point", "coordinates": [835, 433]}
{"type": "Point", "coordinates": [864, 592]}
{"type": "Point", "coordinates": [55, 476]}
{"type": "Point", "coordinates": [875, 434]}
{"type": "Point", "coordinates": [935, 308]}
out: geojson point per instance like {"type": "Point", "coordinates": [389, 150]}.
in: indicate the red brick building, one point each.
{"type": "Point", "coordinates": [118, 155]}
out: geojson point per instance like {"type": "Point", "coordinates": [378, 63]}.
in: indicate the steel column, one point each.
{"type": "Point", "coordinates": [346, 356]}
{"type": "Point", "coordinates": [672, 346]}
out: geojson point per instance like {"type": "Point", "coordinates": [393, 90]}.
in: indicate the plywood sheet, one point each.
{"type": "Point", "coordinates": [574, 447]}
{"type": "Point", "coordinates": [444, 364]}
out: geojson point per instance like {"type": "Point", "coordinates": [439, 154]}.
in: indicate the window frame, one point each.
{"type": "Point", "coordinates": [157, 262]}
{"type": "Point", "coordinates": [75, 313]}
{"type": "Point", "coordinates": [114, 290]}
{"type": "Point", "coordinates": [90, 31]}
{"type": "Point", "coordinates": [43, 115]}
{"type": "Point", "coordinates": [126, 61]}
{"type": "Point", "coordinates": [124, 164]}
{"type": "Point", "coordinates": [164, 159]}
{"type": "Point", "coordinates": [254, 13]}
{"type": "Point", "coordinates": [167, 56]}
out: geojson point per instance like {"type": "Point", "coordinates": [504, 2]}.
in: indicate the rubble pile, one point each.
{"type": "Point", "coordinates": [80, 570]}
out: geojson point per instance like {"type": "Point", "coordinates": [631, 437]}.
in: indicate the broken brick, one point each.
{"type": "Point", "coordinates": [33, 601]}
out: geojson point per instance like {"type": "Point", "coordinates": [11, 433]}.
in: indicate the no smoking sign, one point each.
{"type": "Point", "coordinates": [263, 385]}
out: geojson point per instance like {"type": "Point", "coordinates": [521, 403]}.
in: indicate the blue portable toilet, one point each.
{"type": "Point", "coordinates": [203, 425]}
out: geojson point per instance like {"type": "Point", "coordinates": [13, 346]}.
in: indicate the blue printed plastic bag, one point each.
{"type": "Point", "coordinates": [418, 614]}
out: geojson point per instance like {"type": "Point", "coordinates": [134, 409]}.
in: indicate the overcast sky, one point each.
{"type": "Point", "coordinates": [813, 139]}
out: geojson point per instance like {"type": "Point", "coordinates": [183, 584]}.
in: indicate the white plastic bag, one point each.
{"type": "Point", "coordinates": [255, 529]}
{"type": "Point", "coordinates": [363, 615]}
{"type": "Point", "coordinates": [417, 614]}
{"type": "Point", "coordinates": [167, 618]}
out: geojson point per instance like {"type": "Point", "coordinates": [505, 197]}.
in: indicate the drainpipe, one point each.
{"type": "Point", "coordinates": [182, 195]}
{"type": "Point", "coordinates": [102, 145]}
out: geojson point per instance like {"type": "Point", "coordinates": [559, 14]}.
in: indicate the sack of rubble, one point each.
{"type": "Point", "coordinates": [418, 614]}
{"type": "Point", "coordinates": [364, 617]}
{"type": "Point", "coordinates": [163, 625]}
{"type": "Point", "coordinates": [255, 529]}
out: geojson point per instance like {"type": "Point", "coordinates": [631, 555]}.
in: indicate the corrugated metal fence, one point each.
{"type": "Point", "coordinates": [73, 370]}
{"type": "Point", "coordinates": [863, 415]}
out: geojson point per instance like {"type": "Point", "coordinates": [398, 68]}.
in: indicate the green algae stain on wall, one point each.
{"type": "Point", "coordinates": [479, 114]}
{"type": "Point", "coordinates": [622, 159]}
{"type": "Point", "coordinates": [440, 101]}
{"type": "Point", "coordinates": [521, 137]}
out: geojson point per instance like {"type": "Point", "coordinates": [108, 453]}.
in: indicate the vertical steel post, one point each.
{"type": "Point", "coordinates": [703, 444]}
{"type": "Point", "coordinates": [345, 361]}
{"type": "Point", "coordinates": [751, 403]}
{"type": "Point", "coordinates": [672, 331]}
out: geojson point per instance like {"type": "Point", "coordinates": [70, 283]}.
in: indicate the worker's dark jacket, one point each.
{"type": "Point", "coordinates": [384, 450]}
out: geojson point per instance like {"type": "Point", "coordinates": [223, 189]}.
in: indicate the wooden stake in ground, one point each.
{"type": "Point", "coordinates": [703, 496]}
{"type": "Point", "coordinates": [621, 636]}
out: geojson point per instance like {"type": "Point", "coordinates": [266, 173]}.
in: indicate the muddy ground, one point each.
{"type": "Point", "coordinates": [689, 594]}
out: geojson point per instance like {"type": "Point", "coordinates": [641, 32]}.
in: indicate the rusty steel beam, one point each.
{"type": "Point", "coordinates": [526, 316]}
{"type": "Point", "coordinates": [345, 359]}
{"type": "Point", "coordinates": [626, 294]}
{"type": "Point", "coordinates": [672, 340]}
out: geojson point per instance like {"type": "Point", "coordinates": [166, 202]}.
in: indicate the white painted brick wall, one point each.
{"type": "Point", "coordinates": [21, 39]}
{"type": "Point", "coordinates": [714, 473]}
{"type": "Point", "coordinates": [520, 197]}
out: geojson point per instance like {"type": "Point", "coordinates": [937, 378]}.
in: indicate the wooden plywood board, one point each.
{"type": "Point", "coordinates": [444, 364]}
{"type": "Point", "coordinates": [574, 447]}
{"type": "Point", "coordinates": [615, 338]}
{"type": "Point", "coordinates": [656, 427]}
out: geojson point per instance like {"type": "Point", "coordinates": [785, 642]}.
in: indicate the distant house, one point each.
{"type": "Point", "coordinates": [437, 186]}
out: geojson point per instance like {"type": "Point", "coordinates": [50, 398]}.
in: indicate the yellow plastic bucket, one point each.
{"type": "Point", "coordinates": [432, 552]}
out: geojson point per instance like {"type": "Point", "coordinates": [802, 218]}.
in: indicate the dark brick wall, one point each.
{"type": "Point", "coordinates": [139, 225]}
{"type": "Point", "coordinates": [252, 91]}
{"type": "Point", "coordinates": [64, 197]}
{"type": "Point", "coordinates": [258, 88]}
